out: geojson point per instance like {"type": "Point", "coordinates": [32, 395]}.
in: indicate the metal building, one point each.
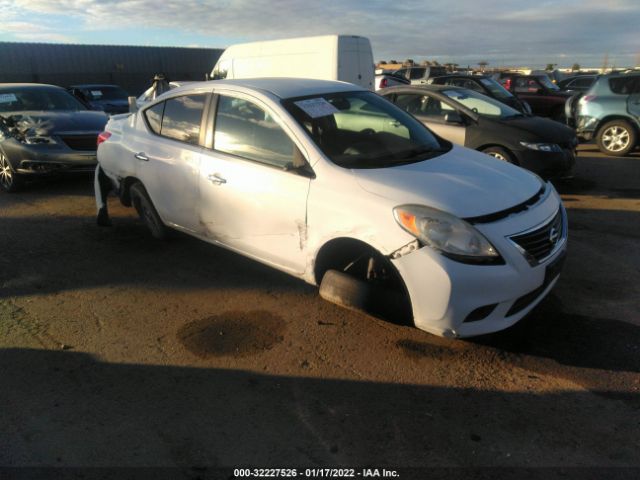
{"type": "Point", "coordinates": [130, 67]}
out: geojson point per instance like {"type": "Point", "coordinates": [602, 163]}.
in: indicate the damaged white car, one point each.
{"type": "Point", "coordinates": [335, 185]}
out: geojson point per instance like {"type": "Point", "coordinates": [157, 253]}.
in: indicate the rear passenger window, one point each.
{"type": "Point", "coordinates": [244, 129]}
{"type": "Point", "coordinates": [182, 118]}
{"type": "Point", "coordinates": [154, 117]}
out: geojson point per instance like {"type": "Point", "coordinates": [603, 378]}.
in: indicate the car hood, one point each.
{"type": "Point", "coordinates": [542, 129]}
{"type": "Point", "coordinates": [53, 123]}
{"type": "Point", "coordinates": [463, 182]}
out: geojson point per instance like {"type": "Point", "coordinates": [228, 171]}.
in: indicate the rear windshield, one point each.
{"type": "Point", "coordinates": [363, 130]}
{"type": "Point", "coordinates": [104, 93]}
{"type": "Point", "coordinates": [497, 90]}
{"type": "Point", "coordinates": [37, 99]}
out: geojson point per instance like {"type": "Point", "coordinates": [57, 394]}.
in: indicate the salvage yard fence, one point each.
{"type": "Point", "coordinates": [131, 67]}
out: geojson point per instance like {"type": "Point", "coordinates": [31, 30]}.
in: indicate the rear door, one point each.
{"type": "Point", "coordinates": [251, 200]}
{"type": "Point", "coordinates": [633, 102]}
{"type": "Point", "coordinates": [432, 111]}
{"type": "Point", "coordinates": [168, 158]}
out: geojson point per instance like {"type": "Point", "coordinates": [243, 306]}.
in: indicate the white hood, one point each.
{"type": "Point", "coordinates": [463, 182]}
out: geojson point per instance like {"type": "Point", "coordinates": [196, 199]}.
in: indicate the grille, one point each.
{"type": "Point", "coordinates": [81, 142]}
{"type": "Point", "coordinates": [539, 243]}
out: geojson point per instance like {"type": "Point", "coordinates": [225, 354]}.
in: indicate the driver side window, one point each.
{"type": "Point", "coordinates": [244, 129]}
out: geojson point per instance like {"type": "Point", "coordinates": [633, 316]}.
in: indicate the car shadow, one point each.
{"type": "Point", "coordinates": [69, 409]}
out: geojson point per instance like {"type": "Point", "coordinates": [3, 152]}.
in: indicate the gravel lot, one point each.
{"type": "Point", "coordinates": [118, 350]}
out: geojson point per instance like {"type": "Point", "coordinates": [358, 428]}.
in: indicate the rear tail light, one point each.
{"type": "Point", "coordinates": [507, 84]}
{"type": "Point", "coordinates": [588, 98]}
{"type": "Point", "coordinates": [384, 83]}
{"type": "Point", "coordinates": [103, 137]}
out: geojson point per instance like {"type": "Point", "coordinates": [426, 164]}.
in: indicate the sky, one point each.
{"type": "Point", "coordinates": [502, 33]}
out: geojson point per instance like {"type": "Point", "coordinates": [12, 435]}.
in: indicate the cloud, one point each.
{"type": "Point", "coordinates": [465, 31]}
{"type": "Point", "coordinates": [33, 32]}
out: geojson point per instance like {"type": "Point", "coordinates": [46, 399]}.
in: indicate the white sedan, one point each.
{"type": "Point", "coordinates": [335, 185]}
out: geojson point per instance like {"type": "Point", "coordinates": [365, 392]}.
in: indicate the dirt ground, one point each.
{"type": "Point", "coordinates": [118, 350]}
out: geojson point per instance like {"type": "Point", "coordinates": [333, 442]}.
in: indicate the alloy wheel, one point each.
{"type": "Point", "coordinates": [615, 138]}
{"type": "Point", "coordinates": [499, 156]}
{"type": "Point", "coordinates": [6, 173]}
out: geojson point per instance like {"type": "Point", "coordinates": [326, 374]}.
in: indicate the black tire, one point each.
{"type": "Point", "coordinates": [501, 154]}
{"type": "Point", "coordinates": [355, 294]}
{"type": "Point", "coordinates": [616, 138]}
{"type": "Point", "coordinates": [10, 181]}
{"type": "Point", "coordinates": [147, 212]}
{"type": "Point", "coordinates": [346, 290]}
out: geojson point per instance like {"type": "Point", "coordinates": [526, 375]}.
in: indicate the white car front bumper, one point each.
{"type": "Point", "coordinates": [455, 299]}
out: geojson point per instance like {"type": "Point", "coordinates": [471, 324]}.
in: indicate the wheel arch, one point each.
{"type": "Point", "coordinates": [338, 253]}
{"type": "Point", "coordinates": [482, 148]}
{"type": "Point", "coordinates": [125, 190]}
{"type": "Point", "coordinates": [609, 118]}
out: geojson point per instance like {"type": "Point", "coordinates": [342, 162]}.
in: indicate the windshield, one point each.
{"type": "Point", "coordinates": [544, 80]}
{"type": "Point", "coordinates": [363, 130]}
{"type": "Point", "coordinates": [496, 89]}
{"type": "Point", "coordinates": [37, 99]}
{"type": "Point", "coordinates": [481, 104]}
{"type": "Point", "coordinates": [104, 93]}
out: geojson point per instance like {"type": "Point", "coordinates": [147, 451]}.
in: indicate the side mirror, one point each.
{"type": "Point", "coordinates": [453, 117]}
{"type": "Point", "coordinates": [133, 105]}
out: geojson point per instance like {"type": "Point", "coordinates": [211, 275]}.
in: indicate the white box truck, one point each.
{"type": "Point", "coordinates": [329, 57]}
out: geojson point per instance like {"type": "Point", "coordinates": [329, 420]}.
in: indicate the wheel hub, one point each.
{"type": "Point", "coordinates": [615, 139]}
{"type": "Point", "coordinates": [6, 175]}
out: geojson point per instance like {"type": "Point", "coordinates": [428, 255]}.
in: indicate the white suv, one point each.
{"type": "Point", "coordinates": [335, 185]}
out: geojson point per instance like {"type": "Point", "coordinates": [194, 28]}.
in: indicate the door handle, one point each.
{"type": "Point", "coordinates": [216, 179]}
{"type": "Point", "coordinates": [394, 123]}
{"type": "Point", "coordinates": [141, 156]}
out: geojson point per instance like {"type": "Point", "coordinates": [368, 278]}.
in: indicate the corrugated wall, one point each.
{"type": "Point", "coordinates": [130, 67]}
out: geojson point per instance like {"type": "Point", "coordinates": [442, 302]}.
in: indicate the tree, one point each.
{"type": "Point", "coordinates": [409, 61]}
{"type": "Point", "coordinates": [482, 64]}
{"type": "Point", "coordinates": [575, 67]}
{"type": "Point", "coordinates": [550, 67]}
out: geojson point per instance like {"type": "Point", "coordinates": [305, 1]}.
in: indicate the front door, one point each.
{"type": "Point", "coordinates": [432, 112]}
{"type": "Point", "coordinates": [251, 199]}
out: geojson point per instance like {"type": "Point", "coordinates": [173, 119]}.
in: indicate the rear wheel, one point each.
{"type": "Point", "coordinates": [616, 137]}
{"type": "Point", "coordinates": [147, 212]}
{"type": "Point", "coordinates": [501, 154]}
{"type": "Point", "coordinates": [10, 181]}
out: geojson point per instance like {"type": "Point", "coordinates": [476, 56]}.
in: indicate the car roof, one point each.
{"type": "Point", "coordinates": [423, 86]}
{"type": "Point", "coordinates": [279, 86]}
{"type": "Point", "coordinates": [28, 85]}
{"type": "Point", "coordinates": [92, 85]}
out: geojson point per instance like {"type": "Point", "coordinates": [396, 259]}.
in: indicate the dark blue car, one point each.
{"type": "Point", "coordinates": [110, 99]}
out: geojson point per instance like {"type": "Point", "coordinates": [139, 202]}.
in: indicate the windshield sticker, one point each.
{"type": "Point", "coordinates": [8, 97]}
{"type": "Point", "coordinates": [96, 93]}
{"type": "Point", "coordinates": [456, 95]}
{"type": "Point", "coordinates": [316, 107]}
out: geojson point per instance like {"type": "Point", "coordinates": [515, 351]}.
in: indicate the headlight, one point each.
{"type": "Point", "coordinates": [446, 233]}
{"type": "Point", "coordinates": [542, 147]}
{"type": "Point", "coordinates": [38, 140]}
